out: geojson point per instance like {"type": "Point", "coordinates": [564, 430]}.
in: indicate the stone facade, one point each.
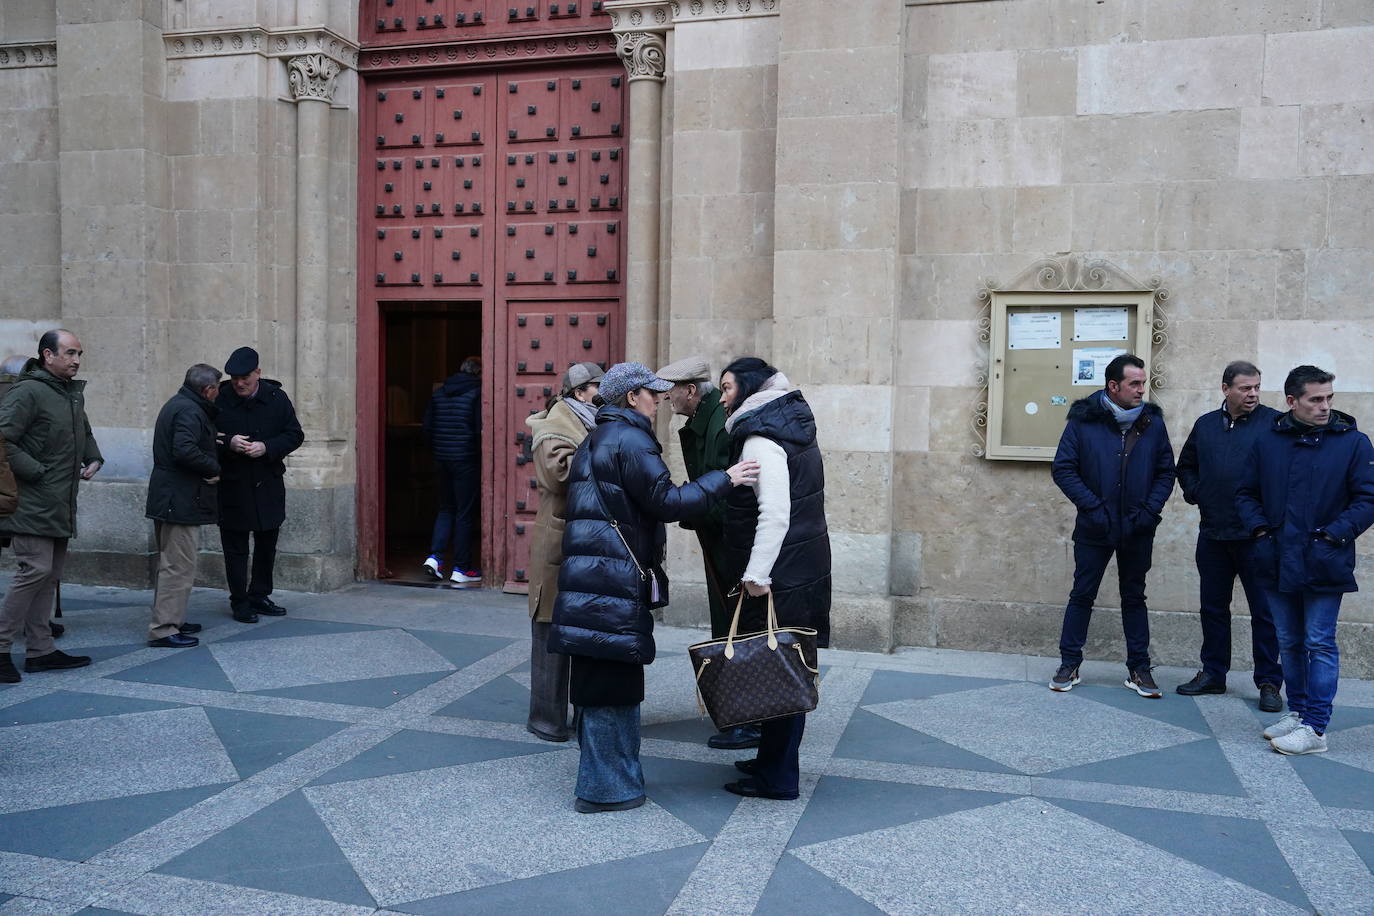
{"type": "Point", "coordinates": [827, 185]}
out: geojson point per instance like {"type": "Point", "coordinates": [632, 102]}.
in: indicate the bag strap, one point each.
{"type": "Point", "coordinates": [596, 488]}
{"type": "Point", "coordinates": [734, 625]}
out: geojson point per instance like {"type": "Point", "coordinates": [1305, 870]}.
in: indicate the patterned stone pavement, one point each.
{"type": "Point", "coordinates": [367, 753]}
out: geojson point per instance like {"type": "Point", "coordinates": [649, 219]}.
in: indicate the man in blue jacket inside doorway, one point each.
{"type": "Point", "coordinates": [1307, 494]}
{"type": "Point", "coordinates": [1115, 464]}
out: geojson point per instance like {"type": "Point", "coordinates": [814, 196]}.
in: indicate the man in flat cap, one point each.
{"type": "Point", "coordinates": [706, 447]}
{"type": "Point", "coordinates": [258, 429]}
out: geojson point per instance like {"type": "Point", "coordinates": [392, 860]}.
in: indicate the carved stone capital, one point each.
{"type": "Point", "coordinates": [644, 54]}
{"type": "Point", "coordinates": [313, 76]}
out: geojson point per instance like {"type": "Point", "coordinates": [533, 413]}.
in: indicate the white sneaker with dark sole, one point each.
{"type": "Point", "coordinates": [1301, 740]}
{"type": "Point", "coordinates": [432, 565]}
{"type": "Point", "coordinates": [1291, 721]}
{"type": "Point", "coordinates": [471, 575]}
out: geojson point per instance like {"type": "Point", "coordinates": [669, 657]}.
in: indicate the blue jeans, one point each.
{"type": "Point", "coordinates": [1133, 558]}
{"type": "Point", "coordinates": [458, 492]}
{"type": "Point", "coordinates": [608, 768]}
{"type": "Point", "coordinates": [1306, 622]}
{"type": "Point", "coordinates": [1219, 564]}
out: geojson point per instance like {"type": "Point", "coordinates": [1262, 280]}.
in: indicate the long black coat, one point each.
{"type": "Point", "coordinates": [801, 574]}
{"type": "Point", "coordinates": [184, 457]}
{"type": "Point", "coordinates": [603, 604]}
{"type": "Point", "coordinates": [252, 495]}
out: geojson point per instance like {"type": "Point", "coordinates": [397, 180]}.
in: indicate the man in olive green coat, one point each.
{"type": "Point", "coordinates": [706, 447]}
{"type": "Point", "coordinates": [51, 450]}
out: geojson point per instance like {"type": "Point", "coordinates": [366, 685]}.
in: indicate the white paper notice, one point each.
{"type": "Point", "coordinates": [1033, 331]}
{"type": "Point", "coordinates": [1090, 365]}
{"type": "Point", "coordinates": [1101, 324]}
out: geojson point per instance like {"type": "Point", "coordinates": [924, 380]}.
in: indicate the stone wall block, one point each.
{"type": "Point", "coordinates": [849, 417]}
{"type": "Point", "coordinates": [742, 288]}
{"type": "Point", "coordinates": [1243, 214]}
{"type": "Point", "coordinates": [861, 623]}
{"type": "Point", "coordinates": [1115, 217]}
{"type": "Point", "coordinates": [30, 238]}
{"type": "Point", "coordinates": [106, 122]}
{"type": "Point", "coordinates": [32, 135]}
{"type": "Point", "coordinates": [844, 82]}
{"type": "Point", "coordinates": [1336, 139]}
{"type": "Point", "coordinates": [1312, 68]}
{"type": "Point", "coordinates": [971, 86]}
{"type": "Point", "coordinates": [101, 57]}
{"type": "Point", "coordinates": [30, 187]}
{"type": "Point", "coordinates": [819, 24]}
{"type": "Point", "coordinates": [912, 623]}
{"type": "Point", "coordinates": [1186, 146]}
{"type": "Point", "coordinates": [1352, 212]}
{"type": "Point", "coordinates": [214, 182]}
{"type": "Point", "coordinates": [1190, 74]}
{"type": "Point", "coordinates": [1166, 19]}
{"type": "Point", "coordinates": [691, 100]}
{"type": "Point", "coordinates": [1343, 13]}
{"type": "Point", "coordinates": [27, 88]}
{"type": "Point", "coordinates": [29, 20]}
{"type": "Point", "coordinates": [217, 127]}
{"type": "Point", "coordinates": [201, 78]}
{"type": "Point", "coordinates": [727, 220]}
{"type": "Point", "coordinates": [906, 563]}
{"type": "Point", "coordinates": [744, 98]}
{"type": "Point", "coordinates": [1042, 219]}
{"type": "Point", "coordinates": [103, 11]}
{"type": "Point", "coordinates": [938, 353]}
{"type": "Point", "coordinates": [1339, 346]}
{"type": "Point", "coordinates": [840, 351]}
{"type": "Point", "coordinates": [1269, 142]}
{"type": "Point", "coordinates": [835, 150]}
{"type": "Point", "coordinates": [707, 161]}
{"type": "Point", "coordinates": [951, 418]}
{"type": "Point", "coordinates": [818, 284]}
{"type": "Point", "coordinates": [1047, 82]}
{"type": "Point", "coordinates": [758, 161]}
{"type": "Point", "coordinates": [845, 216]}
{"type": "Point", "coordinates": [719, 44]}
{"type": "Point", "coordinates": [915, 69]}
{"type": "Point", "coordinates": [33, 291]}
{"type": "Point", "coordinates": [856, 485]}
{"type": "Point", "coordinates": [957, 220]}
{"type": "Point", "coordinates": [685, 233]}
{"type": "Point", "coordinates": [911, 421]}
{"type": "Point", "coordinates": [1340, 284]}
{"type": "Point", "coordinates": [859, 562]}
{"type": "Point", "coordinates": [1199, 349]}
{"type": "Point", "coordinates": [207, 290]}
{"type": "Point", "coordinates": [690, 295]}
{"type": "Point", "coordinates": [968, 27]}
{"type": "Point", "coordinates": [1265, 284]}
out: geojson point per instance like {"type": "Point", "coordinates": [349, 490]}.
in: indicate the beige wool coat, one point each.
{"type": "Point", "coordinates": [557, 432]}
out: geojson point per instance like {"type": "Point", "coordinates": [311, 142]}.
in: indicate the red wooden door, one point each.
{"type": "Point", "coordinates": [501, 186]}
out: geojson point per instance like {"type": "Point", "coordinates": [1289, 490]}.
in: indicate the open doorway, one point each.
{"type": "Point", "coordinates": [425, 344]}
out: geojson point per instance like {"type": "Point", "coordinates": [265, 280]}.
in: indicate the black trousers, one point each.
{"type": "Point", "coordinates": [235, 546]}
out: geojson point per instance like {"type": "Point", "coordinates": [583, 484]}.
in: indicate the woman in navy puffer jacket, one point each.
{"type": "Point", "coordinates": [619, 495]}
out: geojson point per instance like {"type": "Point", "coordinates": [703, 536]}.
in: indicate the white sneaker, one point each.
{"type": "Point", "coordinates": [1291, 721]}
{"type": "Point", "coordinates": [1301, 740]}
{"type": "Point", "coordinates": [471, 575]}
{"type": "Point", "coordinates": [432, 564]}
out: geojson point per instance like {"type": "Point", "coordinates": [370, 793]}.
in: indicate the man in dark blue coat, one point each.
{"type": "Point", "coordinates": [1209, 469]}
{"type": "Point", "coordinates": [1308, 493]}
{"type": "Point", "coordinates": [453, 427]}
{"type": "Point", "coordinates": [1115, 464]}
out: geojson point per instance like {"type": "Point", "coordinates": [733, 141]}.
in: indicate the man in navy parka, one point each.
{"type": "Point", "coordinates": [1307, 494]}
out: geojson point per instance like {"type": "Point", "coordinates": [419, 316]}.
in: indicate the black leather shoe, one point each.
{"type": "Point", "coordinates": [175, 641]}
{"type": "Point", "coordinates": [56, 661]}
{"type": "Point", "coordinates": [188, 628]}
{"type": "Point", "coordinates": [735, 739]}
{"type": "Point", "coordinates": [1200, 684]}
{"type": "Point", "coordinates": [587, 807]}
{"type": "Point", "coordinates": [750, 788]}
{"type": "Point", "coordinates": [8, 673]}
{"type": "Point", "coordinates": [750, 766]}
{"type": "Point", "coordinates": [243, 614]}
{"type": "Point", "coordinates": [267, 607]}
{"type": "Point", "coordinates": [1270, 701]}
{"type": "Point", "coordinates": [57, 630]}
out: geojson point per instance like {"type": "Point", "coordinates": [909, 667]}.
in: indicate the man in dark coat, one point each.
{"type": "Point", "coordinates": [48, 441]}
{"type": "Point", "coordinates": [453, 427]}
{"type": "Point", "coordinates": [706, 447]}
{"type": "Point", "coordinates": [1307, 494]}
{"type": "Point", "coordinates": [1115, 464]}
{"type": "Point", "coordinates": [258, 429]}
{"type": "Point", "coordinates": [1209, 469]}
{"type": "Point", "coordinates": [181, 498]}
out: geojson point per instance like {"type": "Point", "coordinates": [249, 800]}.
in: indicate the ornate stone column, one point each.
{"type": "Point", "coordinates": [313, 78]}
{"type": "Point", "coordinates": [640, 29]}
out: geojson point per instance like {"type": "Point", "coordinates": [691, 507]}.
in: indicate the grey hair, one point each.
{"type": "Point", "coordinates": [704, 386]}
{"type": "Point", "coordinates": [200, 376]}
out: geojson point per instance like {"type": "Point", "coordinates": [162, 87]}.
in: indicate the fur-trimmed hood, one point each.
{"type": "Point", "coordinates": [1092, 410]}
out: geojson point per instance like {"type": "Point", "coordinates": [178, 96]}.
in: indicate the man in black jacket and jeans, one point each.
{"type": "Point", "coordinates": [453, 427]}
{"type": "Point", "coordinates": [258, 429]}
{"type": "Point", "coordinates": [1209, 470]}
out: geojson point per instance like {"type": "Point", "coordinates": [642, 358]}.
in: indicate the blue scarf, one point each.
{"type": "Point", "coordinates": [1124, 418]}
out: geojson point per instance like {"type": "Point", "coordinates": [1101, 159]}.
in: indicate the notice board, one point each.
{"type": "Point", "coordinates": [1047, 349]}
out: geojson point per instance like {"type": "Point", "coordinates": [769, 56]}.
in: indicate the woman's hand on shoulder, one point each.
{"type": "Point", "coordinates": [744, 473]}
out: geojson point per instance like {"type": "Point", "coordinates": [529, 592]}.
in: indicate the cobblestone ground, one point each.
{"type": "Point", "coordinates": [368, 753]}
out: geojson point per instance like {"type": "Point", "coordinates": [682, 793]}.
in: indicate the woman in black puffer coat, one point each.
{"type": "Point", "coordinates": [619, 495]}
{"type": "Point", "coordinates": [777, 540]}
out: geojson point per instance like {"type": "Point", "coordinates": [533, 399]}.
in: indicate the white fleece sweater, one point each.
{"type": "Point", "coordinates": [773, 489]}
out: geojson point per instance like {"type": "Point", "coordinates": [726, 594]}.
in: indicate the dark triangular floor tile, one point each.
{"type": "Point", "coordinates": [1363, 843]}
{"type": "Point", "coordinates": [296, 626]}
{"type": "Point", "coordinates": [692, 792]}
{"type": "Point", "coordinates": [501, 700]}
{"type": "Point", "coordinates": [1171, 708]}
{"type": "Point", "coordinates": [461, 649]}
{"type": "Point", "coordinates": [1347, 717]}
{"type": "Point", "coordinates": [410, 751]}
{"type": "Point", "coordinates": [285, 848]}
{"type": "Point", "coordinates": [79, 831]}
{"type": "Point", "coordinates": [63, 705]}
{"type": "Point", "coordinates": [1236, 847]}
{"type": "Point", "coordinates": [797, 889]}
{"type": "Point", "coordinates": [1336, 785]}
{"type": "Point", "coordinates": [1198, 766]}
{"type": "Point", "coordinates": [888, 686]}
{"type": "Point", "coordinates": [256, 740]}
{"type": "Point", "coordinates": [845, 807]}
{"type": "Point", "coordinates": [871, 737]}
{"type": "Point", "coordinates": [185, 668]}
{"type": "Point", "coordinates": [692, 731]}
{"type": "Point", "coordinates": [642, 885]}
{"type": "Point", "coordinates": [377, 692]}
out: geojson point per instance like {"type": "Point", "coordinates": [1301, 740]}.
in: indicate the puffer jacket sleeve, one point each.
{"type": "Point", "coordinates": [648, 482]}
{"type": "Point", "coordinates": [1359, 512]}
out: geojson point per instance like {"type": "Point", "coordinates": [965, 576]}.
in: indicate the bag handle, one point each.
{"type": "Point", "coordinates": [596, 488]}
{"type": "Point", "coordinates": [734, 625]}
